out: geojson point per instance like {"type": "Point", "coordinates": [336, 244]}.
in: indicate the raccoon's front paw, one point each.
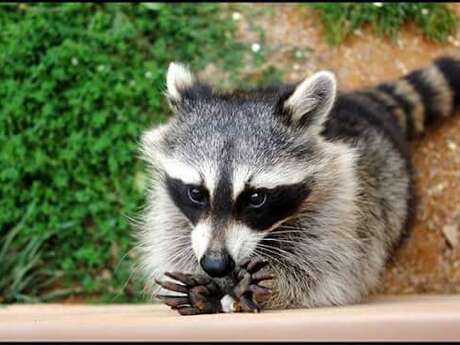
{"type": "Point", "coordinates": [247, 289]}
{"type": "Point", "coordinates": [201, 295]}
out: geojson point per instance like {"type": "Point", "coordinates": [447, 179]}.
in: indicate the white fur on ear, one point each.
{"type": "Point", "coordinates": [178, 79]}
{"type": "Point", "coordinates": [313, 99]}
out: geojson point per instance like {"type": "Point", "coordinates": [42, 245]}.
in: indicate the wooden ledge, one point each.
{"type": "Point", "coordinates": [423, 317]}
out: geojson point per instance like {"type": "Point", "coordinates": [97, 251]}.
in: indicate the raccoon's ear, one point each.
{"type": "Point", "coordinates": [310, 103]}
{"type": "Point", "coordinates": [179, 79]}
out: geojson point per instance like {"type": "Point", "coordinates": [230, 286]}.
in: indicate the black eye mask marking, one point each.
{"type": "Point", "coordinates": [281, 202]}
{"type": "Point", "coordinates": [179, 192]}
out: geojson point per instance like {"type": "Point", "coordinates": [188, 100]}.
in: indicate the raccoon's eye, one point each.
{"type": "Point", "coordinates": [197, 195]}
{"type": "Point", "coordinates": [257, 199]}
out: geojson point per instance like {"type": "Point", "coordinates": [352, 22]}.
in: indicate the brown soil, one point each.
{"type": "Point", "coordinates": [427, 261]}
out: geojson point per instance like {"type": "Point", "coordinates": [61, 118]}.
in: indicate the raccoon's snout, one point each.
{"type": "Point", "coordinates": [217, 264]}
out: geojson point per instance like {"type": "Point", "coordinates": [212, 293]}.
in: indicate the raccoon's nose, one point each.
{"type": "Point", "coordinates": [217, 264]}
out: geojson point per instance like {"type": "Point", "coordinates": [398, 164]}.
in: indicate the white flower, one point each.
{"type": "Point", "coordinates": [236, 16]}
{"type": "Point", "coordinates": [378, 4]}
{"type": "Point", "coordinates": [298, 54]}
{"type": "Point", "coordinates": [74, 61]}
{"type": "Point", "coordinates": [255, 47]}
{"type": "Point", "coordinates": [148, 74]}
{"type": "Point", "coordinates": [425, 11]}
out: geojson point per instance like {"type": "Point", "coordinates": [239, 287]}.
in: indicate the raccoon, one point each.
{"type": "Point", "coordinates": [288, 196]}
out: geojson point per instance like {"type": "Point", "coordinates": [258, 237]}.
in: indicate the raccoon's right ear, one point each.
{"type": "Point", "coordinates": [310, 103]}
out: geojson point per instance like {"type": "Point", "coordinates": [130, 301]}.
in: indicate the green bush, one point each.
{"type": "Point", "coordinates": [78, 83]}
{"type": "Point", "coordinates": [436, 21]}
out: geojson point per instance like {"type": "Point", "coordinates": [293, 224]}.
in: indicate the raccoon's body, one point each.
{"type": "Point", "coordinates": [316, 181]}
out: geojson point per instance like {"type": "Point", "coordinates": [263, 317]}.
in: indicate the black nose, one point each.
{"type": "Point", "coordinates": [217, 264]}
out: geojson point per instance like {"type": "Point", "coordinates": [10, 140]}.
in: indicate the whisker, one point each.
{"type": "Point", "coordinates": [124, 256]}
{"type": "Point", "coordinates": [264, 254]}
{"type": "Point", "coordinates": [298, 231]}
{"type": "Point", "coordinates": [282, 253]}
{"type": "Point", "coordinates": [280, 240]}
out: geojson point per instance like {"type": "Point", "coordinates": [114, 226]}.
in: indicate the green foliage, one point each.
{"type": "Point", "coordinates": [78, 84]}
{"type": "Point", "coordinates": [339, 20]}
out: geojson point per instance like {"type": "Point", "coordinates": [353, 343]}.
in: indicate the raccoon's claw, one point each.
{"type": "Point", "coordinates": [189, 279]}
{"type": "Point", "coordinates": [246, 290]}
{"type": "Point", "coordinates": [254, 265]}
{"type": "Point", "coordinates": [201, 295]}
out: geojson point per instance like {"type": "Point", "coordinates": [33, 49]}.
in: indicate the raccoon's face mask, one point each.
{"type": "Point", "coordinates": [237, 166]}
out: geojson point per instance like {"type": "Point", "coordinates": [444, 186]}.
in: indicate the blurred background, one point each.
{"type": "Point", "coordinates": [79, 82]}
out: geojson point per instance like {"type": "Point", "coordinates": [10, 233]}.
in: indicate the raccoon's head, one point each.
{"type": "Point", "coordinates": [237, 165]}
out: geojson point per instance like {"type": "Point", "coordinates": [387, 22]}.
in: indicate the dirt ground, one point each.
{"type": "Point", "coordinates": [429, 260]}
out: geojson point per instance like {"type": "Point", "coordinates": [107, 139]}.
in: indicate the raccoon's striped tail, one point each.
{"type": "Point", "coordinates": [422, 96]}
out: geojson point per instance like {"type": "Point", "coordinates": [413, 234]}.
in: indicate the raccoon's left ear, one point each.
{"type": "Point", "coordinates": [182, 85]}
{"type": "Point", "coordinates": [310, 103]}
{"type": "Point", "coordinates": [179, 79]}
